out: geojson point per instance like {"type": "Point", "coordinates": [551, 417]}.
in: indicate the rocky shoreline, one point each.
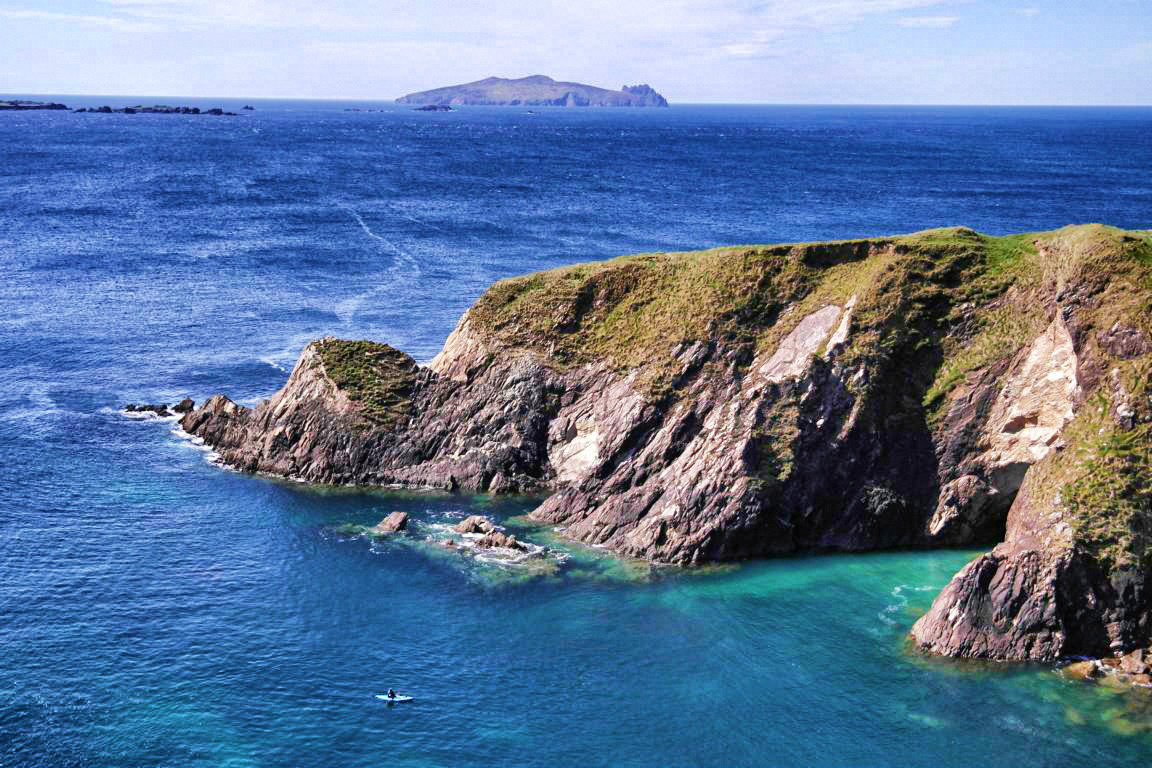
{"type": "Point", "coordinates": [937, 389]}
{"type": "Point", "coordinates": [1130, 669]}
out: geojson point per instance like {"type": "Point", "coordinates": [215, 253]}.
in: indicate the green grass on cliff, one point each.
{"type": "Point", "coordinates": [1102, 476]}
{"type": "Point", "coordinates": [374, 375]}
{"type": "Point", "coordinates": [639, 312]}
{"type": "Point", "coordinates": [1108, 485]}
{"type": "Point", "coordinates": [1110, 499]}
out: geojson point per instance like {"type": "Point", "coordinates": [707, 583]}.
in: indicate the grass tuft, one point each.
{"type": "Point", "coordinates": [376, 376]}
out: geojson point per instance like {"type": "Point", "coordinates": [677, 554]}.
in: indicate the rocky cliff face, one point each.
{"type": "Point", "coordinates": [942, 388]}
{"type": "Point", "coordinates": [1072, 416]}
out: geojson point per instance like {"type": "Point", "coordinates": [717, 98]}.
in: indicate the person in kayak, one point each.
{"type": "Point", "coordinates": [391, 693]}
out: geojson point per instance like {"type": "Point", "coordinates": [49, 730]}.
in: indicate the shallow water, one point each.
{"type": "Point", "coordinates": [160, 610]}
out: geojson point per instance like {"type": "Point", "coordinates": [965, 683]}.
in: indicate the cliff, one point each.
{"type": "Point", "coordinates": [937, 389]}
{"type": "Point", "coordinates": [535, 91]}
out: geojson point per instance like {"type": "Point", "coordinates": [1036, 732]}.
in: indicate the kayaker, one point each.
{"type": "Point", "coordinates": [391, 693]}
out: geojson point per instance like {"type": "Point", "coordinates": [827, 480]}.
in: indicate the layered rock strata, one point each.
{"type": "Point", "coordinates": [942, 388]}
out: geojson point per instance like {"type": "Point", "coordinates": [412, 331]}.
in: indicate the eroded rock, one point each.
{"type": "Point", "coordinates": [498, 540]}
{"type": "Point", "coordinates": [474, 524]}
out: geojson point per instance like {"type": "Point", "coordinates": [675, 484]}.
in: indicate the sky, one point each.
{"type": "Point", "coordinates": [692, 51]}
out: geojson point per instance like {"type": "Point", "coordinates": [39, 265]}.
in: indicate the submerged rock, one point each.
{"type": "Point", "coordinates": [1128, 670]}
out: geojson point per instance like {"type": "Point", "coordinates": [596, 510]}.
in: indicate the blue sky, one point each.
{"type": "Point", "coordinates": [784, 51]}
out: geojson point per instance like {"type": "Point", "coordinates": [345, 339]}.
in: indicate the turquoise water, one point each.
{"type": "Point", "coordinates": [158, 610]}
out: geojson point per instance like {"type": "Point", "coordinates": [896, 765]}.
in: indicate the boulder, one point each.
{"type": "Point", "coordinates": [1134, 663]}
{"type": "Point", "coordinates": [474, 524]}
{"type": "Point", "coordinates": [394, 523]}
{"type": "Point", "coordinates": [1081, 670]}
{"type": "Point", "coordinates": [498, 540]}
{"type": "Point", "coordinates": [185, 405]}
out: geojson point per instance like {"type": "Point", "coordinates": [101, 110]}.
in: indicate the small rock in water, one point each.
{"type": "Point", "coordinates": [495, 539]}
{"type": "Point", "coordinates": [185, 405]}
{"type": "Point", "coordinates": [159, 410]}
{"type": "Point", "coordinates": [474, 524]}
{"type": "Point", "coordinates": [1081, 670]}
{"type": "Point", "coordinates": [394, 523]}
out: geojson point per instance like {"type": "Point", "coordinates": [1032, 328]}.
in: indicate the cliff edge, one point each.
{"type": "Point", "coordinates": [937, 389]}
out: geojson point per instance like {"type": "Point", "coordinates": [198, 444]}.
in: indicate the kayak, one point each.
{"type": "Point", "coordinates": [397, 697]}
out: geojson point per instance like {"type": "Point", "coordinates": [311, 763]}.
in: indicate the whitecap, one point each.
{"type": "Point", "coordinates": [196, 442]}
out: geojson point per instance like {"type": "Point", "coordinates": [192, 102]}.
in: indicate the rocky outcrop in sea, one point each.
{"type": "Point", "coordinates": [938, 389]}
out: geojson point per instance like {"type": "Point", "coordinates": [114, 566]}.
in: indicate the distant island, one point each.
{"type": "Point", "coordinates": [535, 91]}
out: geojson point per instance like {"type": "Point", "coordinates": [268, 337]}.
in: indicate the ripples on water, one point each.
{"type": "Point", "coordinates": [159, 610]}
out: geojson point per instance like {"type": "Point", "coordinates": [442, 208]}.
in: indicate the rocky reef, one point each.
{"type": "Point", "coordinates": [158, 109]}
{"type": "Point", "coordinates": [535, 91]}
{"type": "Point", "coordinates": [937, 389]}
{"type": "Point", "coordinates": [20, 105]}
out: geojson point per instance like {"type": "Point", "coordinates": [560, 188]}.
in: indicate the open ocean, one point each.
{"type": "Point", "coordinates": [158, 610]}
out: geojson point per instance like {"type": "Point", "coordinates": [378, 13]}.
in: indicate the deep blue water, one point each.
{"type": "Point", "coordinates": [157, 610]}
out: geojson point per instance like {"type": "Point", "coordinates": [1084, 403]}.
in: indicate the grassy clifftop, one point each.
{"type": "Point", "coordinates": [374, 375]}
{"type": "Point", "coordinates": [638, 311]}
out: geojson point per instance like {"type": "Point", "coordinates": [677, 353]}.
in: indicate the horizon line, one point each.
{"type": "Point", "coordinates": [671, 104]}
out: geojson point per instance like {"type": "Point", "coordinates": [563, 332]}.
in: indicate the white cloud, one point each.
{"type": "Point", "coordinates": [927, 22]}
{"type": "Point", "coordinates": [758, 31]}
{"type": "Point", "coordinates": [26, 14]}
